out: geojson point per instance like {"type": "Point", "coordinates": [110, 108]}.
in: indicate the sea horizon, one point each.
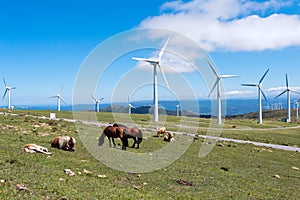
{"type": "Point", "coordinates": [200, 107]}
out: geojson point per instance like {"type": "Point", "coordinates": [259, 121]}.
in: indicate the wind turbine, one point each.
{"type": "Point", "coordinates": [155, 63]}
{"type": "Point", "coordinates": [59, 98]}
{"type": "Point", "coordinates": [288, 91]}
{"type": "Point", "coordinates": [97, 102]}
{"type": "Point", "coordinates": [217, 84]}
{"type": "Point", "coordinates": [260, 92]}
{"type": "Point", "coordinates": [296, 104]}
{"type": "Point", "coordinates": [177, 109]}
{"type": "Point", "coordinates": [7, 91]}
{"type": "Point", "coordinates": [130, 106]}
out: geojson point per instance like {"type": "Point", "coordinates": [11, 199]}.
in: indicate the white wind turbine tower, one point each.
{"type": "Point", "coordinates": [260, 92]}
{"type": "Point", "coordinates": [130, 106]}
{"type": "Point", "coordinates": [7, 91]}
{"type": "Point", "coordinates": [177, 109]}
{"type": "Point", "coordinates": [59, 98]}
{"type": "Point", "coordinates": [296, 104]}
{"type": "Point", "coordinates": [97, 102]}
{"type": "Point", "coordinates": [288, 91]}
{"type": "Point", "coordinates": [217, 84]}
{"type": "Point", "coordinates": [156, 63]}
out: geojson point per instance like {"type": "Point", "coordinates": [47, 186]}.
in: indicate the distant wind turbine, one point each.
{"type": "Point", "coordinates": [130, 106]}
{"type": "Point", "coordinates": [288, 91]}
{"type": "Point", "coordinates": [97, 102]}
{"type": "Point", "coordinates": [217, 84]}
{"type": "Point", "coordinates": [7, 91]}
{"type": "Point", "coordinates": [177, 109]}
{"type": "Point", "coordinates": [156, 63]}
{"type": "Point", "coordinates": [296, 104]}
{"type": "Point", "coordinates": [59, 98]}
{"type": "Point", "coordinates": [260, 92]}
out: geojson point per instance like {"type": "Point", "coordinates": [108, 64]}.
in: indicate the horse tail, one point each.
{"type": "Point", "coordinates": [101, 139]}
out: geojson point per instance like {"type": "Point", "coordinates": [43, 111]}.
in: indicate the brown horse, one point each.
{"type": "Point", "coordinates": [134, 133]}
{"type": "Point", "coordinates": [114, 132]}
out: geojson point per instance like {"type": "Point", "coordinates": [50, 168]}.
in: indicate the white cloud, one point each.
{"type": "Point", "coordinates": [234, 25]}
{"type": "Point", "coordinates": [278, 90]}
{"type": "Point", "coordinates": [238, 93]}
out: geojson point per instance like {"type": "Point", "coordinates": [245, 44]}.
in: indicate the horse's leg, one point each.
{"type": "Point", "coordinates": [138, 142]}
{"type": "Point", "coordinates": [134, 142]}
{"type": "Point", "coordinates": [123, 146]}
{"type": "Point", "coordinates": [113, 142]}
{"type": "Point", "coordinates": [109, 141]}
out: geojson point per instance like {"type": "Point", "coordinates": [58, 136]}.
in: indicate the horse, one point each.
{"type": "Point", "coordinates": [134, 133]}
{"type": "Point", "coordinates": [114, 132]}
{"type": "Point", "coordinates": [66, 143]}
{"type": "Point", "coordinates": [161, 131]}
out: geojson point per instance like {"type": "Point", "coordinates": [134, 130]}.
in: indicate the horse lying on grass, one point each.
{"type": "Point", "coordinates": [66, 143]}
{"type": "Point", "coordinates": [32, 148]}
{"type": "Point", "coordinates": [134, 133]}
{"type": "Point", "coordinates": [114, 132]}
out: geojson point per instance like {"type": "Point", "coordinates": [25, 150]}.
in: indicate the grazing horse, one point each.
{"type": "Point", "coordinates": [134, 133]}
{"type": "Point", "coordinates": [161, 131]}
{"type": "Point", "coordinates": [114, 132]}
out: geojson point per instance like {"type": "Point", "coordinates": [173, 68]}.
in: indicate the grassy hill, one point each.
{"type": "Point", "coordinates": [229, 171]}
{"type": "Point", "coordinates": [268, 114]}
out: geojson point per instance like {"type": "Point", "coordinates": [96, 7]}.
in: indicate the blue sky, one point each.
{"type": "Point", "coordinates": [44, 43]}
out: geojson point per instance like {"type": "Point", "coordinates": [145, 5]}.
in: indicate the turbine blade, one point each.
{"type": "Point", "coordinates": [139, 59]}
{"type": "Point", "coordinates": [62, 87]}
{"type": "Point", "coordinates": [101, 99]}
{"type": "Point", "coordinates": [286, 81]}
{"type": "Point", "coordinates": [130, 105]}
{"type": "Point", "coordinates": [229, 76]}
{"type": "Point", "coordinates": [295, 91]}
{"type": "Point", "coordinates": [213, 87]}
{"type": "Point", "coordinates": [53, 96]}
{"type": "Point", "coordinates": [164, 76]}
{"type": "Point", "coordinates": [13, 88]}
{"type": "Point", "coordinates": [4, 82]}
{"type": "Point", "coordinates": [93, 97]}
{"type": "Point", "coordinates": [247, 84]}
{"type": "Point", "coordinates": [62, 100]}
{"type": "Point", "coordinates": [162, 51]}
{"type": "Point", "coordinates": [145, 60]}
{"type": "Point", "coordinates": [212, 68]}
{"type": "Point", "coordinates": [4, 93]}
{"type": "Point", "coordinates": [281, 94]}
{"type": "Point", "coordinates": [262, 78]}
{"type": "Point", "coordinates": [263, 94]}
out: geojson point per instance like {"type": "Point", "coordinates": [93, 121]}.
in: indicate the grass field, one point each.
{"type": "Point", "coordinates": [229, 171]}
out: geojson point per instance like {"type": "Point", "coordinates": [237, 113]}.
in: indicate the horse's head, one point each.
{"type": "Point", "coordinates": [115, 125]}
{"type": "Point", "coordinates": [72, 144]}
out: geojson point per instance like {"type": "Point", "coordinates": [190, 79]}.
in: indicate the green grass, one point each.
{"type": "Point", "coordinates": [250, 170]}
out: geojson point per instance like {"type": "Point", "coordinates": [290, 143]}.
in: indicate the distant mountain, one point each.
{"type": "Point", "coordinates": [203, 107]}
